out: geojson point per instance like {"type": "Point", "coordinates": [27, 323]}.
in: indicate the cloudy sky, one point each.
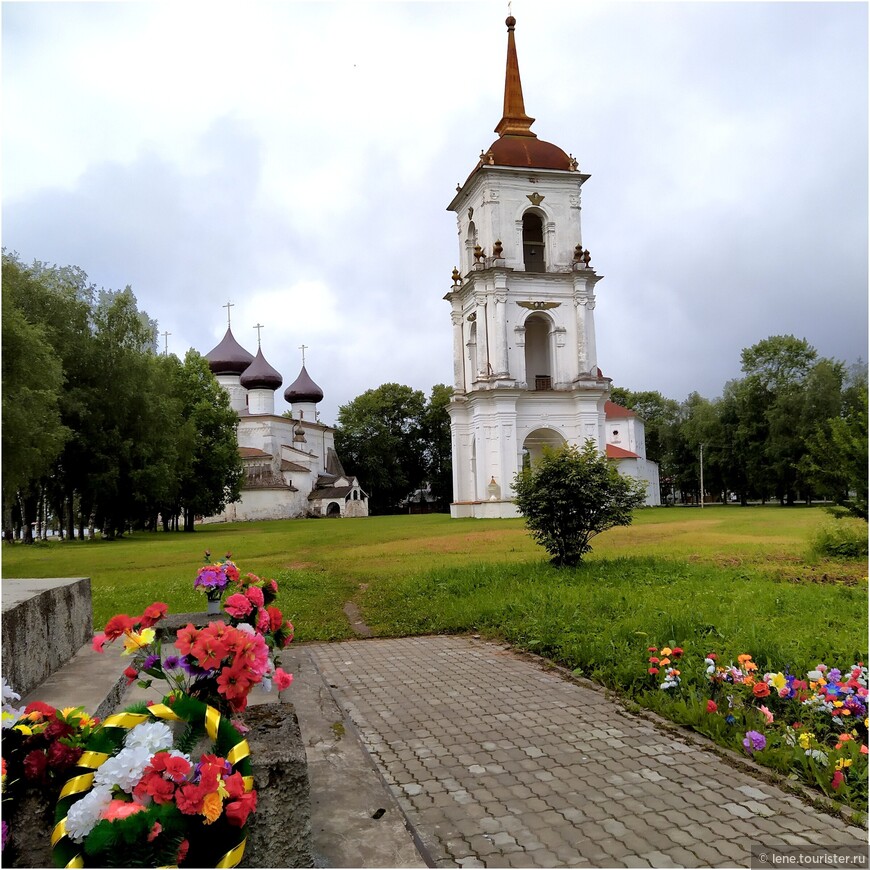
{"type": "Point", "coordinates": [297, 158]}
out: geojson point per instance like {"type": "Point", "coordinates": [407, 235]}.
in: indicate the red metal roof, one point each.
{"type": "Point", "coordinates": [611, 409]}
{"type": "Point", "coordinates": [614, 452]}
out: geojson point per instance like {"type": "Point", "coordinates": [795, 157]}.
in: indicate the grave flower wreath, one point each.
{"type": "Point", "coordinates": [137, 798]}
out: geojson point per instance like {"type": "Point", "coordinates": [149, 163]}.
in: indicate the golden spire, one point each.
{"type": "Point", "coordinates": [515, 121]}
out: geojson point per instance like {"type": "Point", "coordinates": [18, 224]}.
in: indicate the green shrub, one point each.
{"type": "Point", "coordinates": [843, 539]}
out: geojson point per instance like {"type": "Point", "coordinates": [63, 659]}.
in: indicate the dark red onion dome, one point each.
{"type": "Point", "coordinates": [526, 152]}
{"type": "Point", "coordinates": [303, 389]}
{"type": "Point", "coordinates": [260, 375]}
{"type": "Point", "coordinates": [229, 357]}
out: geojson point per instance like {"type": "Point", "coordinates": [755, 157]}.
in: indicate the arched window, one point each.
{"type": "Point", "coordinates": [539, 373]}
{"type": "Point", "coordinates": [470, 242]}
{"type": "Point", "coordinates": [533, 242]}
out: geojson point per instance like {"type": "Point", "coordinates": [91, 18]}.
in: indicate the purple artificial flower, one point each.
{"type": "Point", "coordinates": [754, 741]}
{"type": "Point", "coordinates": [5, 834]}
{"type": "Point", "coordinates": [150, 661]}
{"type": "Point", "coordinates": [170, 663]}
{"type": "Point", "coordinates": [834, 675]}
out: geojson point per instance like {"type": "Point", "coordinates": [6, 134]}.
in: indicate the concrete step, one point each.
{"type": "Point", "coordinates": [89, 679]}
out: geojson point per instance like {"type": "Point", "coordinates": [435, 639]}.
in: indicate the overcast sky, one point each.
{"type": "Point", "coordinates": [297, 159]}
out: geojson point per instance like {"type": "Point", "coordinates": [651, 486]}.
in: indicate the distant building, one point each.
{"type": "Point", "coordinates": [526, 372]}
{"type": "Point", "coordinates": [291, 466]}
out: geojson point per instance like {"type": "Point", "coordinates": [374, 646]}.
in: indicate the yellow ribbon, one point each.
{"type": "Point", "coordinates": [249, 783]}
{"type": "Point", "coordinates": [232, 858]}
{"type": "Point", "coordinates": [92, 759]}
{"type": "Point", "coordinates": [58, 832]}
{"type": "Point", "coordinates": [76, 784]}
{"type": "Point", "coordinates": [212, 722]}
{"type": "Point", "coordinates": [238, 752]}
{"type": "Point", "coordinates": [78, 861]}
{"type": "Point", "coordinates": [162, 711]}
{"type": "Point", "coordinates": [125, 720]}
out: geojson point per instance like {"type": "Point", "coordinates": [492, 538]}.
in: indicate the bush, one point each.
{"type": "Point", "coordinates": [843, 539]}
{"type": "Point", "coordinates": [570, 495]}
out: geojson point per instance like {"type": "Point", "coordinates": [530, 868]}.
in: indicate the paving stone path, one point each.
{"type": "Point", "coordinates": [498, 763]}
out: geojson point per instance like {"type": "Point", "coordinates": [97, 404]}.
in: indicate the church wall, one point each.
{"type": "Point", "coordinates": [263, 504]}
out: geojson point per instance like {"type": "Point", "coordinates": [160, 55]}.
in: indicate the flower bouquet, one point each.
{"type": "Point", "coordinates": [214, 579]}
{"type": "Point", "coordinates": [149, 795]}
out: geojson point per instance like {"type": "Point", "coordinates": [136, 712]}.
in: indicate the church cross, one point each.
{"type": "Point", "coordinates": [303, 347]}
{"type": "Point", "coordinates": [166, 343]}
{"type": "Point", "coordinates": [228, 306]}
{"type": "Point", "coordinates": [258, 327]}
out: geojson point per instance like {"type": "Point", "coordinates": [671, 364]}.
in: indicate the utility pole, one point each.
{"type": "Point", "coordinates": [702, 475]}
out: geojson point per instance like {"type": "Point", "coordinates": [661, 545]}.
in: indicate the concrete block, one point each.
{"type": "Point", "coordinates": [279, 832]}
{"type": "Point", "coordinates": [45, 622]}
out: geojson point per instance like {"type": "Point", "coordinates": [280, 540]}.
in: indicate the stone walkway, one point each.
{"type": "Point", "coordinates": [497, 763]}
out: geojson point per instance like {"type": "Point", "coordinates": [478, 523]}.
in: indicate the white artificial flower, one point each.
{"type": "Point", "coordinates": [152, 736]}
{"type": "Point", "coordinates": [815, 675]}
{"type": "Point", "coordinates": [8, 693]}
{"type": "Point", "coordinates": [247, 628]}
{"type": "Point", "coordinates": [84, 814]}
{"type": "Point", "coordinates": [817, 755]}
{"type": "Point", "coordinates": [125, 769]}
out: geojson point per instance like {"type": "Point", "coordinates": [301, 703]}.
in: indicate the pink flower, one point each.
{"type": "Point", "coordinates": [255, 594]}
{"type": "Point", "coordinates": [282, 679]}
{"type": "Point", "coordinates": [838, 779]}
{"type": "Point", "coordinates": [766, 713]}
{"type": "Point", "coordinates": [118, 809]}
{"type": "Point", "coordinates": [711, 707]}
{"type": "Point", "coordinates": [238, 605]}
{"type": "Point", "coordinates": [154, 833]}
{"type": "Point", "coordinates": [263, 621]}
{"type": "Point", "coordinates": [99, 642]}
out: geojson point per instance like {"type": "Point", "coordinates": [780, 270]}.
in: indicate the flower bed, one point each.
{"type": "Point", "coordinates": [811, 727]}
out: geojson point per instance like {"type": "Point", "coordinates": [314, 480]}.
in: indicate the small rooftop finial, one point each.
{"type": "Point", "coordinates": [258, 327]}
{"type": "Point", "coordinates": [228, 306]}
{"type": "Point", "coordinates": [303, 347]}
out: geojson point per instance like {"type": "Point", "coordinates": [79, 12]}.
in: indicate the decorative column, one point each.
{"type": "Point", "coordinates": [458, 351]}
{"type": "Point", "coordinates": [501, 348]}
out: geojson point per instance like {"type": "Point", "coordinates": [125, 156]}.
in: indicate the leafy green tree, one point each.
{"type": "Point", "coordinates": [435, 426]}
{"type": "Point", "coordinates": [380, 439]}
{"type": "Point", "coordinates": [571, 495]}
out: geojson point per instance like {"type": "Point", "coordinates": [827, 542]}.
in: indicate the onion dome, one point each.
{"type": "Point", "coordinates": [517, 145]}
{"type": "Point", "coordinates": [229, 357]}
{"type": "Point", "coordinates": [260, 375]}
{"type": "Point", "coordinates": [303, 389]}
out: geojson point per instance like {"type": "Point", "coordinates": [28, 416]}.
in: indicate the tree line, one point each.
{"type": "Point", "coordinates": [100, 431]}
{"type": "Point", "coordinates": [794, 427]}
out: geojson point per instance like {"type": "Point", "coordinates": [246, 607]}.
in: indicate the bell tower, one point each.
{"type": "Point", "coordinates": [522, 305]}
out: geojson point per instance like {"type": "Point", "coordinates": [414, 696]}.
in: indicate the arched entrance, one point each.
{"type": "Point", "coordinates": [333, 509]}
{"type": "Point", "coordinates": [536, 441]}
{"type": "Point", "coordinates": [539, 371]}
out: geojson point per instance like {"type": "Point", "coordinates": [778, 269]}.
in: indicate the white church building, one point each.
{"type": "Point", "coordinates": [526, 372]}
{"type": "Point", "coordinates": [291, 466]}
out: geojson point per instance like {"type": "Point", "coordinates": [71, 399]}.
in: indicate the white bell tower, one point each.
{"type": "Point", "coordinates": [522, 304]}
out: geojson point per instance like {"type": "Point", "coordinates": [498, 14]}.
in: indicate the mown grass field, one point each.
{"type": "Point", "coordinates": [732, 578]}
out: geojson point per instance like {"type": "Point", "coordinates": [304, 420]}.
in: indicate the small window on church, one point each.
{"type": "Point", "coordinates": [533, 242]}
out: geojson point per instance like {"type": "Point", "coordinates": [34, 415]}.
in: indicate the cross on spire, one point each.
{"type": "Point", "coordinates": [228, 306]}
{"type": "Point", "coordinates": [166, 343]}
{"type": "Point", "coordinates": [258, 327]}
{"type": "Point", "coordinates": [303, 347]}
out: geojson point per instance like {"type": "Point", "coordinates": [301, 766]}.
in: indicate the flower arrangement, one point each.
{"type": "Point", "coordinates": [813, 725]}
{"type": "Point", "coordinates": [143, 797]}
{"type": "Point", "coordinates": [214, 579]}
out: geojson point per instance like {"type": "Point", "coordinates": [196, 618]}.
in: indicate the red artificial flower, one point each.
{"type": "Point", "coordinates": [153, 785]}
{"type": "Point", "coordinates": [175, 767]}
{"type": "Point", "coordinates": [40, 709]}
{"type": "Point", "coordinates": [711, 707]}
{"type": "Point", "coordinates": [235, 785]}
{"type": "Point", "coordinates": [231, 570]}
{"type": "Point", "coordinates": [761, 690]}
{"type": "Point", "coordinates": [131, 674]}
{"type": "Point", "coordinates": [838, 780]}
{"type": "Point", "coordinates": [56, 729]}
{"type": "Point", "coordinates": [189, 799]}
{"type": "Point", "coordinates": [208, 651]}
{"type": "Point", "coordinates": [653, 660]}
{"type": "Point", "coordinates": [153, 614]}
{"type": "Point", "coordinates": [276, 618]}
{"type": "Point", "coordinates": [62, 756]}
{"type": "Point", "coordinates": [288, 628]}
{"type": "Point", "coordinates": [677, 651]}
{"type": "Point", "coordinates": [282, 679]}
{"type": "Point", "coordinates": [711, 656]}
{"type": "Point", "coordinates": [154, 833]}
{"type": "Point", "coordinates": [35, 764]}
{"type": "Point", "coordinates": [234, 682]}
{"type": "Point", "coordinates": [263, 621]}
{"type": "Point", "coordinates": [118, 809]}
{"type": "Point", "coordinates": [118, 625]}
{"type": "Point", "coordinates": [653, 670]}
{"type": "Point", "coordinates": [237, 811]}
{"type": "Point", "coordinates": [652, 649]}
{"type": "Point", "coordinates": [182, 851]}
{"type": "Point", "coordinates": [185, 638]}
